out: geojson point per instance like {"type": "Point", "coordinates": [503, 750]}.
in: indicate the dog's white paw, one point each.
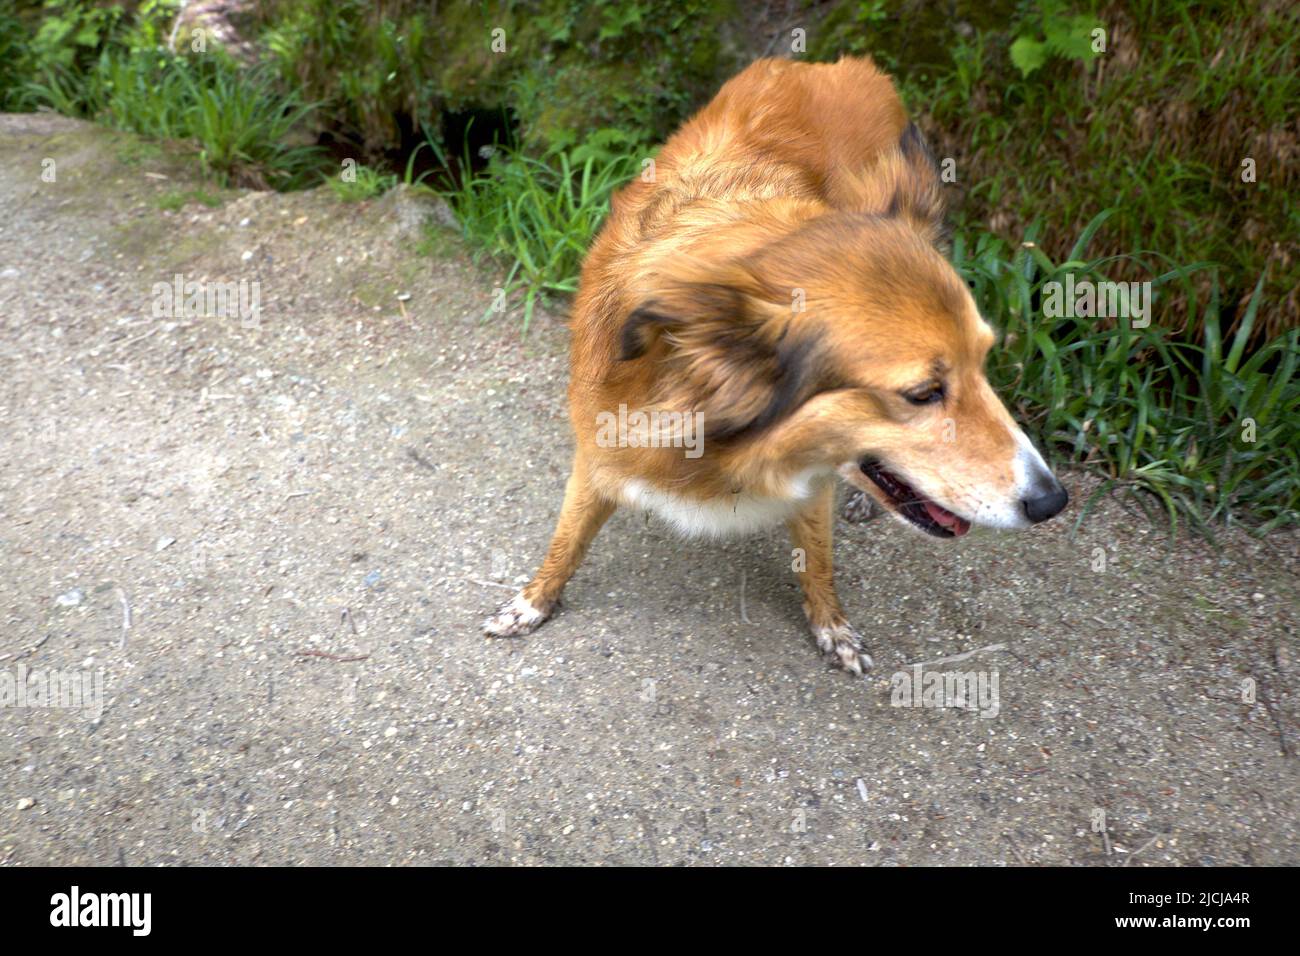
{"type": "Point", "coordinates": [843, 645]}
{"type": "Point", "coordinates": [515, 618]}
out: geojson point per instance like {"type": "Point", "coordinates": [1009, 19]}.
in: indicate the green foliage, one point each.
{"type": "Point", "coordinates": [15, 41]}
{"type": "Point", "coordinates": [1156, 128]}
{"type": "Point", "coordinates": [364, 67]}
{"type": "Point", "coordinates": [142, 92]}
{"type": "Point", "coordinates": [95, 61]}
{"type": "Point", "coordinates": [244, 126]}
{"type": "Point", "coordinates": [537, 218]}
{"type": "Point", "coordinates": [361, 182]}
{"type": "Point", "coordinates": [568, 66]}
{"type": "Point", "coordinates": [240, 125]}
{"type": "Point", "coordinates": [855, 29]}
{"type": "Point", "coordinates": [68, 40]}
{"type": "Point", "coordinates": [1049, 30]}
{"type": "Point", "coordinates": [1151, 411]}
{"type": "Point", "coordinates": [72, 32]}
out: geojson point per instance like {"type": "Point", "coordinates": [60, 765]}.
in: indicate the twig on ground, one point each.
{"type": "Point", "coordinates": [126, 616]}
{"type": "Point", "coordinates": [490, 584]}
{"type": "Point", "coordinates": [136, 338]}
{"type": "Point", "coordinates": [1140, 849]}
{"type": "Point", "coordinates": [333, 657]}
{"type": "Point", "coordinates": [1265, 697]}
{"type": "Point", "coordinates": [960, 657]}
{"type": "Point", "coordinates": [420, 460]}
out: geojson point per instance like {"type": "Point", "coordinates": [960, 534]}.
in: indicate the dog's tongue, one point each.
{"type": "Point", "coordinates": [958, 526]}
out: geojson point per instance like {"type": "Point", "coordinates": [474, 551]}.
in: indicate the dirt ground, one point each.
{"type": "Point", "coordinates": [275, 542]}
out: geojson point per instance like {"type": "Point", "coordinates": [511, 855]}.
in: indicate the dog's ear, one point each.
{"type": "Point", "coordinates": [726, 346]}
{"type": "Point", "coordinates": [919, 193]}
{"type": "Point", "coordinates": [690, 301]}
{"type": "Point", "coordinates": [905, 184]}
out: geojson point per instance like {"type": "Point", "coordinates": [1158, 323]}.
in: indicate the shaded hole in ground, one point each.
{"type": "Point", "coordinates": [465, 138]}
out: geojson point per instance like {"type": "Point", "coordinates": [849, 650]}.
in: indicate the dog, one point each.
{"type": "Point", "coordinates": [777, 278]}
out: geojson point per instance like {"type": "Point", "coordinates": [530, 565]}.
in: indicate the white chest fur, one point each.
{"type": "Point", "coordinates": [728, 516]}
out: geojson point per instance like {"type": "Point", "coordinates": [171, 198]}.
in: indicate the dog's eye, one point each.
{"type": "Point", "coordinates": [926, 394]}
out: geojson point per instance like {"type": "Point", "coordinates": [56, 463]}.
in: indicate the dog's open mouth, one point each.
{"type": "Point", "coordinates": [909, 503]}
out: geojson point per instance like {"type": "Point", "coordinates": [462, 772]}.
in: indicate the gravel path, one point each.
{"type": "Point", "coordinates": [275, 544]}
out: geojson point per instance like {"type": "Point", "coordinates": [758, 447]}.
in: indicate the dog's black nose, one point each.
{"type": "Point", "coordinates": [1045, 504]}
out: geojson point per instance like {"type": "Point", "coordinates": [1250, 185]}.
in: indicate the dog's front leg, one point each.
{"type": "Point", "coordinates": [811, 531]}
{"type": "Point", "coordinates": [581, 516]}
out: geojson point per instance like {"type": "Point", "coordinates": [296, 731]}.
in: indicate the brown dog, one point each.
{"type": "Point", "coordinates": [767, 309]}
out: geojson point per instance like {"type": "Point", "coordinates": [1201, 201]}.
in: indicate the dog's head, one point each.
{"type": "Point", "coordinates": [851, 343]}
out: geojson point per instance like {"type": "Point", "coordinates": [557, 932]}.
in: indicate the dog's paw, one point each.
{"type": "Point", "coordinates": [515, 618]}
{"type": "Point", "coordinates": [843, 646]}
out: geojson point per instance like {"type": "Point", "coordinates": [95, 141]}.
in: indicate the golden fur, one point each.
{"type": "Point", "coordinates": [780, 275]}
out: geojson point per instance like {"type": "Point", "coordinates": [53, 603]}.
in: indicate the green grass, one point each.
{"type": "Point", "coordinates": [15, 40]}
{"type": "Point", "coordinates": [1149, 410]}
{"type": "Point", "coordinates": [244, 127]}
{"type": "Point", "coordinates": [537, 218]}
{"type": "Point", "coordinates": [1156, 128]}
{"type": "Point", "coordinates": [240, 125]}
{"type": "Point", "coordinates": [360, 182]}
